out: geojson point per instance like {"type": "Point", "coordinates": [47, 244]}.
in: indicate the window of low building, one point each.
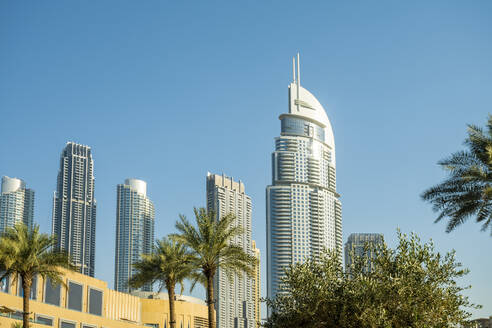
{"type": "Point", "coordinates": [16, 315]}
{"type": "Point", "coordinates": [95, 301]}
{"type": "Point", "coordinates": [34, 286]}
{"type": "Point", "coordinates": [85, 325]}
{"type": "Point", "coordinates": [4, 283]}
{"type": "Point", "coordinates": [52, 293]}
{"type": "Point", "coordinates": [74, 296]}
{"type": "Point", "coordinates": [44, 320]}
{"type": "Point", "coordinates": [67, 324]}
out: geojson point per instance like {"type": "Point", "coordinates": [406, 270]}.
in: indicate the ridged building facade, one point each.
{"type": "Point", "coordinates": [234, 295]}
{"type": "Point", "coordinates": [74, 207]}
{"type": "Point", "coordinates": [135, 220]}
{"type": "Point", "coordinates": [16, 203]}
{"type": "Point", "coordinates": [303, 210]}
{"type": "Point", "coordinates": [257, 286]}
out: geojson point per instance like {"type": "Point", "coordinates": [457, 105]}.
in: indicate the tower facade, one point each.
{"type": "Point", "coordinates": [74, 207]}
{"type": "Point", "coordinates": [303, 210]}
{"type": "Point", "coordinates": [362, 244]}
{"type": "Point", "coordinates": [16, 203]}
{"type": "Point", "coordinates": [257, 286]}
{"type": "Point", "coordinates": [234, 294]}
{"type": "Point", "coordinates": [135, 217]}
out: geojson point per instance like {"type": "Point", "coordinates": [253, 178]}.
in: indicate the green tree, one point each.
{"type": "Point", "coordinates": [168, 265]}
{"type": "Point", "coordinates": [410, 286]}
{"type": "Point", "coordinates": [26, 253]}
{"type": "Point", "coordinates": [467, 192]}
{"type": "Point", "coordinates": [210, 244]}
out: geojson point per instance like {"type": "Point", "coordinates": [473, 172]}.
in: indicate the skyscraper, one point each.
{"type": "Point", "coordinates": [135, 216]}
{"type": "Point", "coordinates": [303, 210]}
{"type": "Point", "coordinates": [357, 242]}
{"type": "Point", "coordinates": [16, 203]}
{"type": "Point", "coordinates": [257, 286]}
{"type": "Point", "coordinates": [74, 207]}
{"type": "Point", "coordinates": [234, 295]}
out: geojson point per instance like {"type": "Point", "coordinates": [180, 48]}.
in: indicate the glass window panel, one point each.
{"type": "Point", "coordinates": [52, 293]}
{"type": "Point", "coordinates": [66, 324]}
{"type": "Point", "coordinates": [74, 296]}
{"type": "Point", "coordinates": [4, 284]}
{"type": "Point", "coordinates": [95, 301]}
{"type": "Point", "coordinates": [33, 288]}
{"type": "Point", "coordinates": [16, 315]}
{"type": "Point", "coordinates": [44, 320]}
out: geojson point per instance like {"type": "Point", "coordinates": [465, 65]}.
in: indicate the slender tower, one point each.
{"type": "Point", "coordinates": [234, 294]}
{"type": "Point", "coordinates": [303, 211]}
{"type": "Point", "coordinates": [257, 286]}
{"type": "Point", "coordinates": [74, 207]}
{"type": "Point", "coordinates": [16, 203]}
{"type": "Point", "coordinates": [134, 231]}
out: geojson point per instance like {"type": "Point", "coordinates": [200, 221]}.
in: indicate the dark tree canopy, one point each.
{"type": "Point", "coordinates": [410, 286]}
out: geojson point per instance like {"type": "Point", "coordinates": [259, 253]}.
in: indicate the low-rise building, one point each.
{"type": "Point", "coordinates": [86, 302]}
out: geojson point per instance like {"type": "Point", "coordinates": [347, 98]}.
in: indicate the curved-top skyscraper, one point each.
{"type": "Point", "coordinates": [135, 221]}
{"type": "Point", "coordinates": [303, 210]}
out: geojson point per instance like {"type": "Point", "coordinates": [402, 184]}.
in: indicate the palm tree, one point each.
{"type": "Point", "coordinates": [467, 192]}
{"type": "Point", "coordinates": [211, 247]}
{"type": "Point", "coordinates": [168, 265]}
{"type": "Point", "coordinates": [26, 253]}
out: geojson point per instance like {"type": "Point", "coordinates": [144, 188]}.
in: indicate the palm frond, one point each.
{"type": "Point", "coordinates": [467, 192]}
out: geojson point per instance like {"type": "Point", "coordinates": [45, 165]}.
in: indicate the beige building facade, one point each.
{"type": "Point", "coordinates": [86, 302]}
{"type": "Point", "coordinates": [234, 293]}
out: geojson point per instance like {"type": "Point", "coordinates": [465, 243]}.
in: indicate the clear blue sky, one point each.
{"type": "Point", "coordinates": [167, 92]}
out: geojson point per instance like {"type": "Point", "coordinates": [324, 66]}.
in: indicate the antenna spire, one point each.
{"type": "Point", "coordinates": [298, 71]}
{"type": "Point", "coordinates": [294, 69]}
{"type": "Point", "coordinates": [298, 80]}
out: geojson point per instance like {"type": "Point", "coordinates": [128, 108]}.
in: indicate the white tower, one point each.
{"type": "Point", "coordinates": [135, 216]}
{"type": "Point", "coordinates": [16, 203]}
{"type": "Point", "coordinates": [303, 210]}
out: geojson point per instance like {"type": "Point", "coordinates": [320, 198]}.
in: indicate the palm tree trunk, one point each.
{"type": "Point", "coordinates": [172, 311]}
{"type": "Point", "coordinates": [210, 301]}
{"type": "Point", "coordinates": [26, 288]}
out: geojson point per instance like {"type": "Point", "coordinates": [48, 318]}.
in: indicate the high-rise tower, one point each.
{"type": "Point", "coordinates": [303, 210]}
{"type": "Point", "coordinates": [234, 295]}
{"type": "Point", "coordinates": [16, 203]}
{"type": "Point", "coordinates": [74, 207]}
{"type": "Point", "coordinates": [134, 231]}
{"type": "Point", "coordinates": [257, 286]}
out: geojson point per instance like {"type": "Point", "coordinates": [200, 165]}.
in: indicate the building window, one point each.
{"type": "Point", "coordinates": [4, 284]}
{"type": "Point", "coordinates": [34, 285]}
{"type": "Point", "coordinates": [67, 324]}
{"type": "Point", "coordinates": [52, 293]}
{"type": "Point", "coordinates": [44, 320]}
{"type": "Point", "coordinates": [95, 301]}
{"type": "Point", "coordinates": [74, 301]}
{"type": "Point", "coordinates": [84, 325]}
{"type": "Point", "coordinates": [16, 315]}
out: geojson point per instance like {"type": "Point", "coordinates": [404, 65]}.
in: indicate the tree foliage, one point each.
{"type": "Point", "coordinates": [410, 286]}
{"type": "Point", "coordinates": [170, 264]}
{"type": "Point", "coordinates": [210, 241]}
{"type": "Point", "coordinates": [26, 253]}
{"type": "Point", "coordinates": [467, 192]}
